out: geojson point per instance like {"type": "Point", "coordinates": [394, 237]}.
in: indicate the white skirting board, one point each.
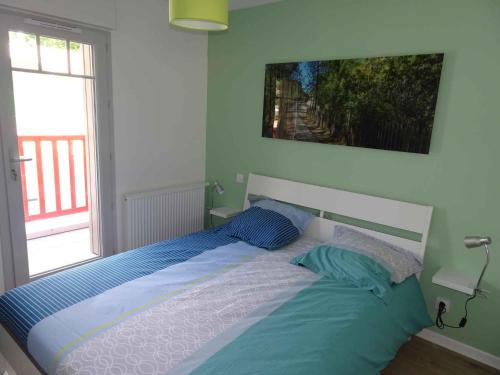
{"type": "Point", "coordinates": [460, 348]}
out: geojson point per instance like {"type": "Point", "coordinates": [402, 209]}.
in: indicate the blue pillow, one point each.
{"type": "Point", "coordinates": [263, 228]}
{"type": "Point", "coordinates": [343, 265]}
{"type": "Point", "coordinates": [300, 218]}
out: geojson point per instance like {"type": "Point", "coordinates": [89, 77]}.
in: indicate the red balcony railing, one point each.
{"type": "Point", "coordinates": [47, 192]}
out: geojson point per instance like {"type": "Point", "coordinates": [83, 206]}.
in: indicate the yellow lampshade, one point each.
{"type": "Point", "coordinates": [209, 15]}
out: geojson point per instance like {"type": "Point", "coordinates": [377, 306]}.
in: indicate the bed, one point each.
{"type": "Point", "coordinates": [209, 303]}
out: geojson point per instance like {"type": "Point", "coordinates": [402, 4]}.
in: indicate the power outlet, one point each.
{"type": "Point", "coordinates": [446, 301]}
{"type": "Point", "coordinates": [240, 178]}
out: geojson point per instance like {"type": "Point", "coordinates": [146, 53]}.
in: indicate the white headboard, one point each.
{"type": "Point", "coordinates": [391, 213]}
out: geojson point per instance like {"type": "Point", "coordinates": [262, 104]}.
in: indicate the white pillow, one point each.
{"type": "Point", "coordinates": [400, 262]}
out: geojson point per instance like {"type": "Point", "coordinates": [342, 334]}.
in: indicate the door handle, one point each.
{"type": "Point", "coordinates": [17, 160]}
{"type": "Point", "coordinates": [20, 159]}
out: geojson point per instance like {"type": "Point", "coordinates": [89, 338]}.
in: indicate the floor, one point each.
{"type": "Point", "coordinates": [59, 250]}
{"type": "Point", "coordinates": [419, 357]}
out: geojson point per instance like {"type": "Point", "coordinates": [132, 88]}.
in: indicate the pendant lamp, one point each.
{"type": "Point", "coordinates": [207, 15]}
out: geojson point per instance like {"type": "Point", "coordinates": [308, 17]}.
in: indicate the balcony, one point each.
{"type": "Point", "coordinates": [55, 201]}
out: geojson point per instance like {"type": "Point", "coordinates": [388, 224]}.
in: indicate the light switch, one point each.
{"type": "Point", "coordinates": [240, 178]}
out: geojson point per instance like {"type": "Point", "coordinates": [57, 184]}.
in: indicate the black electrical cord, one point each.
{"type": "Point", "coordinates": [470, 242]}
{"type": "Point", "coordinates": [442, 310]}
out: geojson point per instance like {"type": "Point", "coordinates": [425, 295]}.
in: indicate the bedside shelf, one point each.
{"type": "Point", "coordinates": [455, 280]}
{"type": "Point", "coordinates": [224, 212]}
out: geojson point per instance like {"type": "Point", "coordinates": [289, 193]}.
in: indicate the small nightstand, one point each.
{"type": "Point", "coordinates": [224, 212]}
{"type": "Point", "coordinates": [455, 280]}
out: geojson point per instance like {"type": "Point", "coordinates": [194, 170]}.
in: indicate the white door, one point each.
{"type": "Point", "coordinates": [56, 172]}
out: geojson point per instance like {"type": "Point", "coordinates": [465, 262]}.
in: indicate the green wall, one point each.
{"type": "Point", "coordinates": [460, 177]}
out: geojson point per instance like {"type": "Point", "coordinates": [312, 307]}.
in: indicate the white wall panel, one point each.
{"type": "Point", "coordinates": [160, 95]}
{"type": "Point", "coordinates": [101, 13]}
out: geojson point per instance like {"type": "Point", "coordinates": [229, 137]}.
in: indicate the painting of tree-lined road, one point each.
{"type": "Point", "coordinates": [383, 102]}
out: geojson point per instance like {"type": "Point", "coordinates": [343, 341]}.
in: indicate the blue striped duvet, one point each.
{"type": "Point", "coordinates": [22, 308]}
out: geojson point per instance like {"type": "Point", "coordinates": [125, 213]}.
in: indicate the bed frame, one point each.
{"type": "Point", "coordinates": [390, 213]}
{"type": "Point", "coordinates": [386, 212]}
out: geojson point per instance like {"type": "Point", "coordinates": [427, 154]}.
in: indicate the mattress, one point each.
{"type": "Point", "coordinates": [208, 304]}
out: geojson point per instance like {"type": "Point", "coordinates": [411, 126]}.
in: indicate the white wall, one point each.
{"type": "Point", "coordinates": [160, 92]}
{"type": "Point", "coordinates": [92, 12]}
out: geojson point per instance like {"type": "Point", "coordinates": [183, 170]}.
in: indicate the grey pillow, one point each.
{"type": "Point", "coordinates": [400, 262]}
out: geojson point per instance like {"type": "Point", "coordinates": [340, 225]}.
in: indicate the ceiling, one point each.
{"type": "Point", "coordinates": [238, 4]}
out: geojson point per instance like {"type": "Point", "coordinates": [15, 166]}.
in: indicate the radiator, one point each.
{"type": "Point", "coordinates": [159, 215]}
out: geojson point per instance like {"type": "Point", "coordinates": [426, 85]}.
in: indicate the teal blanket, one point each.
{"type": "Point", "coordinates": [327, 328]}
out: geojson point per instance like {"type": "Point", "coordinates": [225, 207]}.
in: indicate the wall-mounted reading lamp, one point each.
{"type": "Point", "coordinates": [216, 188]}
{"type": "Point", "coordinates": [470, 242]}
